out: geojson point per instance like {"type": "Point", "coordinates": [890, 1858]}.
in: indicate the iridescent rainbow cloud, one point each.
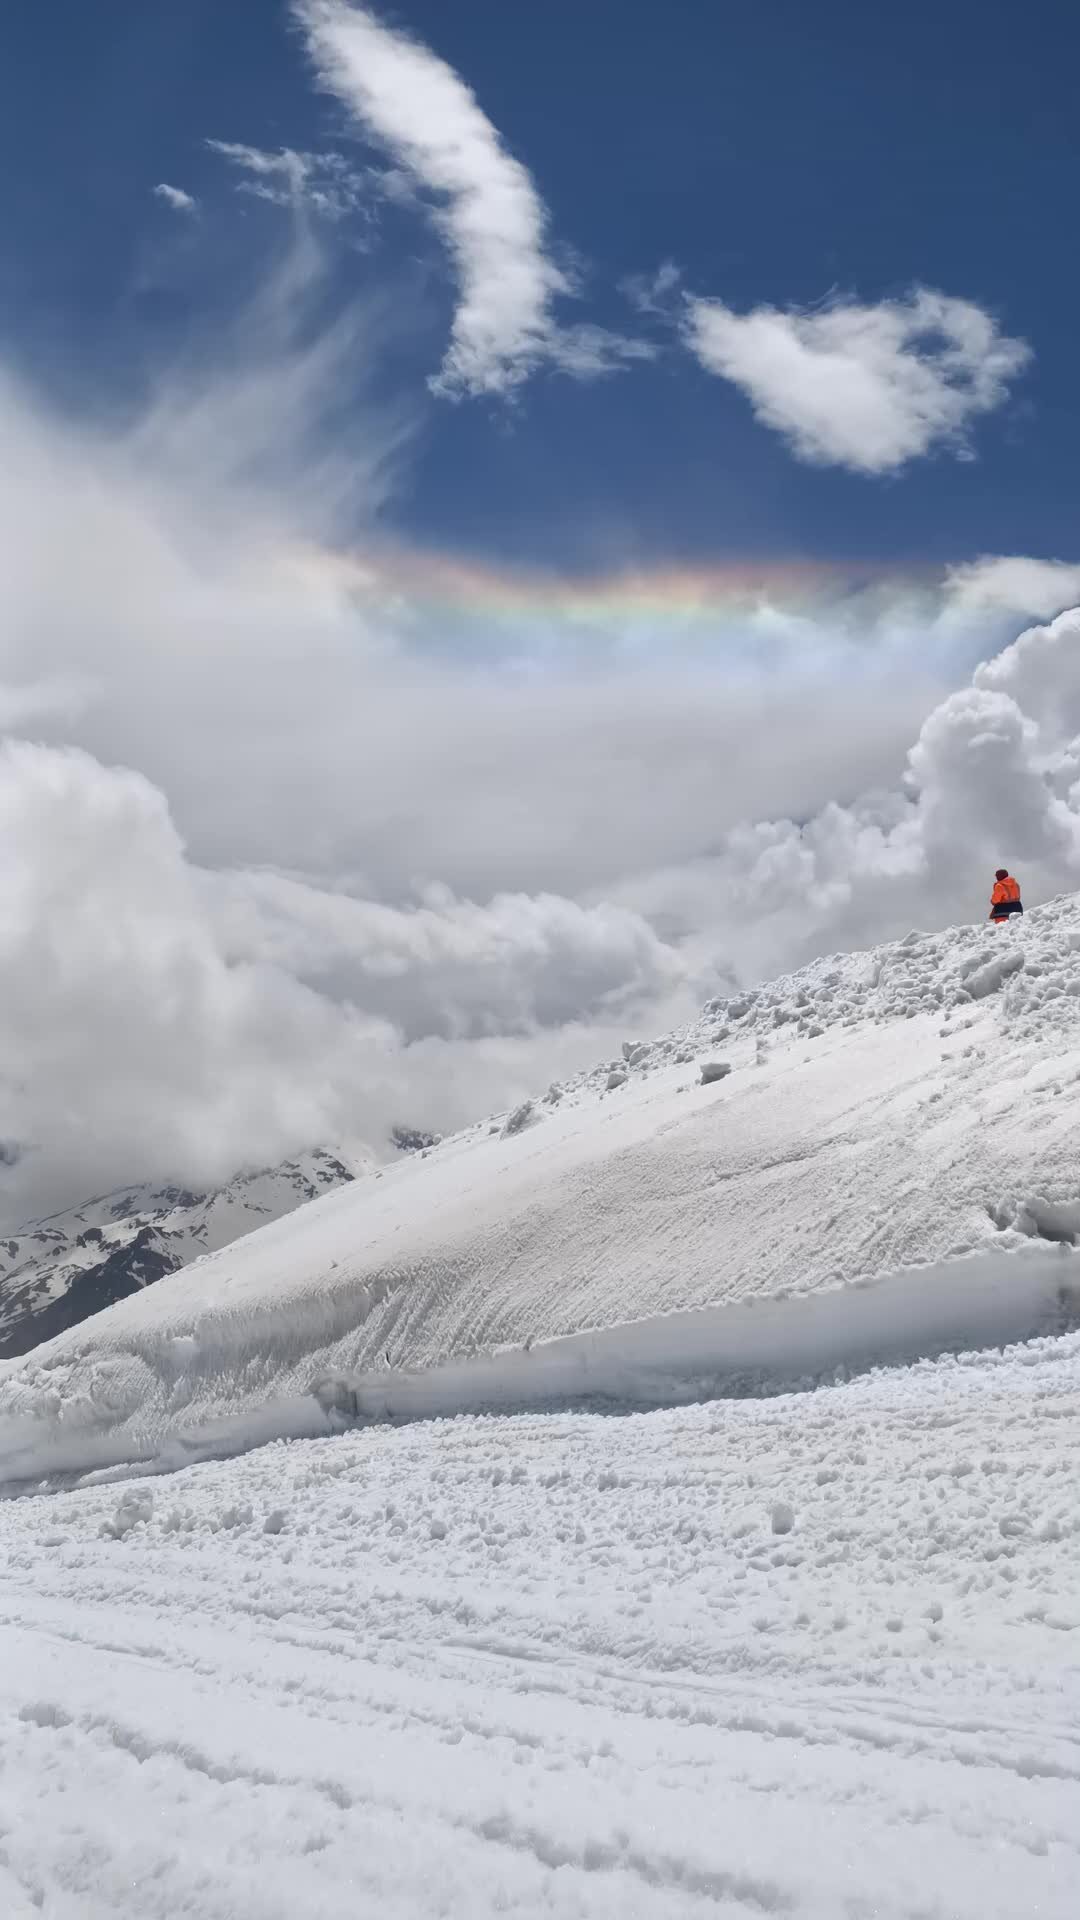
{"type": "Point", "coordinates": [443, 585]}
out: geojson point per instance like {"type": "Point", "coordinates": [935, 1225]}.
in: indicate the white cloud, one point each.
{"type": "Point", "coordinates": [279, 177]}
{"type": "Point", "coordinates": [176, 198]}
{"type": "Point", "coordinates": [119, 1014]}
{"type": "Point", "coordinates": [864, 387]}
{"type": "Point", "coordinates": [162, 1019]}
{"type": "Point", "coordinates": [1040, 672]}
{"type": "Point", "coordinates": [443, 941]}
{"type": "Point", "coordinates": [588, 352]}
{"type": "Point", "coordinates": [446, 966]}
{"type": "Point", "coordinates": [654, 294]}
{"type": "Point", "coordinates": [412, 104]}
{"type": "Point", "coordinates": [259, 414]}
{"type": "Point", "coordinates": [1012, 584]}
{"type": "Point", "coordinates": [61, 697]}
{"type": "Point", "coordinates": [396, 850]}
{"type": "Point", "coordinates": [993, 777]}
{"type": "Point", "coordinates": [326, 182]}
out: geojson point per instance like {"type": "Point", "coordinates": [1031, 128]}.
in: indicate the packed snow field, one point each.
{"type": "Point", "coordinates": [815, 1656]}
{"type": "Point", "coordinates": [887, 1170]}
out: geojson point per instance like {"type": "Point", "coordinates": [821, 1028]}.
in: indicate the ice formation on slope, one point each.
{"type": "Point", "coordinates": [892, 1156]}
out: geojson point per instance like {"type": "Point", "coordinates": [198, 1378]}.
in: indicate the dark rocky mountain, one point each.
{"type": "Point", "coordinates": [58, 1271]}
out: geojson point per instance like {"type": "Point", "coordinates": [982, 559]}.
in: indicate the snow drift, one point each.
{"type": "Point", "coordinates": [888, 1170]}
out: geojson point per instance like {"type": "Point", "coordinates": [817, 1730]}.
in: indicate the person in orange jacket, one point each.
{"type": "Point", "coordinates": [1005, 899]}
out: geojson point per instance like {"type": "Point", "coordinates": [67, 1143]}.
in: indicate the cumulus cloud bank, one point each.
{"type": "Point", "coordinates": [155, 1015]}
{"type": "Point", "coordinates": [864, 387]}
{"type": "Point", "coordinates": [295, 848]}
{"type": "Point", "coordinates": [394, 882]}
{"type": "Point", "coordinates": [991, 778]}
{"type": "Point", "coordinates": [176, 1013]}
{"type": "Point", "coordinates": [119, 1012]}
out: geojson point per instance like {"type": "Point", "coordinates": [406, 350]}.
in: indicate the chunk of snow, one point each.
{"type": "Point", "coordinates": [988, 979]}
{"type": "Point", "coordinates": [132, 1510]}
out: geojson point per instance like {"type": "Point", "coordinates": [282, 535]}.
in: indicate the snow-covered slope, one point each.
{"type": "Point", "coordinates": [808, 1658]}
{"type": "Point", "coordinates": [888, 1169]}
{"type": "Point", "coordinates": [807, 1654]}
{"type": "Point", "coordinates": [58, 1271]}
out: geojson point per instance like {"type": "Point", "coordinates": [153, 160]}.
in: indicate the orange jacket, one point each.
{"type": "Point", "coordinates": [1004, 891]}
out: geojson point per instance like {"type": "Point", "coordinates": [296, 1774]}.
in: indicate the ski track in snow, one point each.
{"type": "Point", "coordinates": [815, 1656]}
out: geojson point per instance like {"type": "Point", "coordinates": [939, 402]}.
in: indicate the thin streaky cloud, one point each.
{"type": "Point", "coordinates": [653, 294]}
{"type": "Point", "coordinates": [324, 182]}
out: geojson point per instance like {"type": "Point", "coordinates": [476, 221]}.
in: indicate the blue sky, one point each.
{"type": "Point", "coordinates": [777, 153]}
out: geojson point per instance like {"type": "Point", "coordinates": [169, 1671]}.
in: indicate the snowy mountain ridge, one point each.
{"type": "Point", "coordinates": [886, 1171]}
{"type": "Point", "coordinates": [57, 1271]}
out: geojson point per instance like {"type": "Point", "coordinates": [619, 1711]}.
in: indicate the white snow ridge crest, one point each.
{"type": "Point", "coordinates": [886, 1173]}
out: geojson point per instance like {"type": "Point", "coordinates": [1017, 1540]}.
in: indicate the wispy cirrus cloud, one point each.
{"type": "Point", "coordinates": [411, 103]}
{"type": "Point", "coordinates": [327, 182]}
{"type": "Point", "coordinates": [869, 388]}
{"type": "Point", "coordinates": [653, 293]}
